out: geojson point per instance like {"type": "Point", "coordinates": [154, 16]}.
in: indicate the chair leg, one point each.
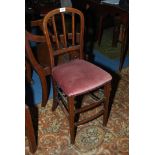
{"type": "Point", "coordinates": [44, 90]}
{"type": "Point", "coordinates": [71, 119]}
{"type": "Point", "coordinates": [124, 49]}
{"type": "Point", "coordinates": [107, 89]}
{"type": "Point", "coordinates": [30, 131]}
{"type": "Point", "coordinates": [116, 32]}
{"type": "Point", "coordinates": [55, 95]}
{"type": "Point", "coordinates": [122, 57]}
{"type": "Point", "coordinates": [101, 27]}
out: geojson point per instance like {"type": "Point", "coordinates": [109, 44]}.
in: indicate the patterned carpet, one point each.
{"type": "Point", "coordinates": [91, 138]}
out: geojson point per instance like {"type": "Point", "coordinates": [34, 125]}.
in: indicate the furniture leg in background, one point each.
{"type": "Point", "coordinates": [30, 130]}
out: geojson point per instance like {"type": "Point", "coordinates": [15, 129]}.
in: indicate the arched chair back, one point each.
{"type": "Point", "coordinates": [64, 31]}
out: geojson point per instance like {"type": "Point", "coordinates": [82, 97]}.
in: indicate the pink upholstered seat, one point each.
{"type": "Point", "coordinates": [79, 76]}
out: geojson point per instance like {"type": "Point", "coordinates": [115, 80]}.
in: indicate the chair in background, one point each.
{"type": "Point", "coordinates": [34, 57]}
{"type": "Point", "coordinates": [29, 130]}
{"type": "Point", "coordinates": [77, 77]}
{"type": "Point", "coordinates": [37, 58]}
{"type": "Point", "coordinates": [120, 34]}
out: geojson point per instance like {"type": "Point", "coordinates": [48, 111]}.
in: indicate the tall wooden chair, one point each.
{"type": "Point", "coordinates": [76, 77]}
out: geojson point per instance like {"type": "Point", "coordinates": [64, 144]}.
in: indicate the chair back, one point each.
{"type": "Point", "coordinates": [35, 49]}
{"type": "Point", "coordinates": [64, 32]}
{"type": "Point", "coordinates": [31, 43]}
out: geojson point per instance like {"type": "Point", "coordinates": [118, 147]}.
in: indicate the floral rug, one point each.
{"type": "Point", "coordinates": [91, 138]}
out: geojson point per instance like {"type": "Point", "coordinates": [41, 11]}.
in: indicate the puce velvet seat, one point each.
{"type": "Point", "coordinates": [75, 77]}
{"type": "Point", "coordinates": [79, 76]}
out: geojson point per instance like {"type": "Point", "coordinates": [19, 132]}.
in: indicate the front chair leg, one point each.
{"type": "Point", "coordinates": [107, 89]}
{"type": "Point", "coordinates": [71, 119]}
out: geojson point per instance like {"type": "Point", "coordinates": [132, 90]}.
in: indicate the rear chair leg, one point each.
{"type": "Point", "coordinates": [55, 96]}
{"type": "Point", "coordinates": [107, 89]}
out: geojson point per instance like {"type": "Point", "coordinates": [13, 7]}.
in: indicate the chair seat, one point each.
{"type": "Point", "coordinates": [79, 76]}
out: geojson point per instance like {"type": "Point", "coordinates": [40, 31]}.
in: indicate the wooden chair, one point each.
{"type": "Point", "coordinates": [38, 58]}
{"type": "Point", "coordinates": [76, 77]}
{"type": "Point", "coordinates": [29, 130]}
